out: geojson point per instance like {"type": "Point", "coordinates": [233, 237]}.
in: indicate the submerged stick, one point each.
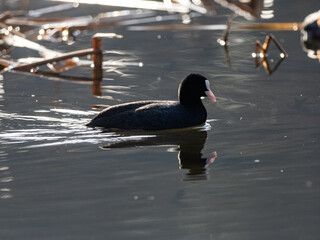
{"type": "Point", "coordinates": [289, 26]}
{"type": "Point", "coordinates": [4, 16]}
{"type": "Point", "coordinates": [4, 64]}
{"type": "Point", "coordinates": [224, 40]}
{"type": "Point", "coordinates": [10, 29]}
{"type": "Point", "coordinates": [293, 26]}
{"type": "Point", "coordinates": [261, 58]}
{"type": "Point", "coordinates": [79, 53]}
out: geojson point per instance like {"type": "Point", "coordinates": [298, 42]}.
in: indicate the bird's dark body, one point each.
{"type": "Point", "coordinates": [160, 115]}
{"type": "Point", "coordinates": [150, 115]}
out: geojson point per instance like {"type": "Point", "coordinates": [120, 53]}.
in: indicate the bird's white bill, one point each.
{"type": "Point", "coordinates": [209, 93]}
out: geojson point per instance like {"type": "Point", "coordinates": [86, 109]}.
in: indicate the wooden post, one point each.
{"type": "Point", "coordinates": [96, 88]}
{"type": "Point", "coordinates": [97, 58]}
{"type": "Point", "coordinates": [97, 65]}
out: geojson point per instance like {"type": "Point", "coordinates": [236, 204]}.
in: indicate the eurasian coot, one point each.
{"type": "Point", "coordinates": [160, 115]}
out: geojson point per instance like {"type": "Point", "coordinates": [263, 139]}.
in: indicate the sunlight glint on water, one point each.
{"type": "Point", "coordinates": [70, 131]}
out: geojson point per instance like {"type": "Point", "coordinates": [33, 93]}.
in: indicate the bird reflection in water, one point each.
{"type": "Point", "coordinates": [191, 159]}
{"type": "Point", "coordinates": [189, 142]}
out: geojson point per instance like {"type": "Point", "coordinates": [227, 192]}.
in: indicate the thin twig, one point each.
{"type": "Point", "coordinates": [10, 29]}
{"type": "Point", "coordinates": [261, 53]}
{"type": "Point", "coordinates": [278, 44]}
{"type": "Point", "coordinates": [79, 53]}
{"type": "Point", "coordinates": [226, 33]}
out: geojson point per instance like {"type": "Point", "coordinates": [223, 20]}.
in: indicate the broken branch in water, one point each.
{"type": "Point", "coordinates": [57, 8]}
{"type": "Point", "coordinates": [14, 38]}
{"type": "Point", "coordinates": [7, 29]}
{"type": "Point", "coordinates": [42, 11]}
{"type": "Point", "coordinates": [264, 48]}
{"type": "Point", "coordinates": [67, 59]}
{"type": "Point", "coordinates": [224, 40]}
{"type": "Point", "coordinates": [11, 37]}
{"type": "Point", "coordinates": [79, 53]}
{"type": "Point", "coordinates": [152, 5]}
{"type": "Point", "coordinates": [289, 26]}
{"type": "Point", "coordinates": [261, 55]}
{"type": "Point", "coordinates": [293, 26]}
{"type": "Point", "coordinates": [248, 9]}
{"type": "Point", "coordinates": [66, 29]}
{"type": "Point", "coordinates": [95, 51]}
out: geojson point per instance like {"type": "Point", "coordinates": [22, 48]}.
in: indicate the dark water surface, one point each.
{"type": "Point", "coordinates": [60, 180]}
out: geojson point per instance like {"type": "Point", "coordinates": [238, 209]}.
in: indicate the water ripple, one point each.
{"type": "Point", "coordinates": [70, 130]}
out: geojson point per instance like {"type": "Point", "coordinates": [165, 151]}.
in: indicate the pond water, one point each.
{"type": "Point", "coordinates": [252, 172]}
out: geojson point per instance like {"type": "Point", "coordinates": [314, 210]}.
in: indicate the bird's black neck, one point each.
{"type": "Point", "coordinates": [188, 101]}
